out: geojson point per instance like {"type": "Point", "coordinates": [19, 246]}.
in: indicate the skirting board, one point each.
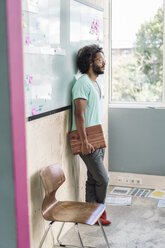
{"type": "Point", "coordinates": [147, 181]}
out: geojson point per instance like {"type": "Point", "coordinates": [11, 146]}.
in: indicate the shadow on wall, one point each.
{"type": "Point", "coordinates": [37, 194]}
{"type": "Point", "coordinates": [73, 170]}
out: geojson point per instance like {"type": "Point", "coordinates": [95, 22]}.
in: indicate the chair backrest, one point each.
{"type": "Point", "coordinates": [52, 177]}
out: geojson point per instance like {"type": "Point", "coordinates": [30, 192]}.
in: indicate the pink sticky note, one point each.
{"type": "Point", "coordinates": [93, 26]}
{"type": "Point", "coordinates": [30, 79]}
{"type": "Point", "coordinates": [34, 111]}
{"type": "Point", "coordinates": [27, 40]}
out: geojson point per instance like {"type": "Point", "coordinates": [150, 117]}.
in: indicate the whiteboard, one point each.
{"type": "Point", "coordinates": [53, 32]}
{"type": "Point", "coordinates": [86, 23]}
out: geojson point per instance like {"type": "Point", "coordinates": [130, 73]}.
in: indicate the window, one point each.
{"type": "Point", "coordinates": [137, 51]}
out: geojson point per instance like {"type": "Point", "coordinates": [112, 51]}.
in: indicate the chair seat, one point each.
{"type": "Point", "coordinates": [77, 212]}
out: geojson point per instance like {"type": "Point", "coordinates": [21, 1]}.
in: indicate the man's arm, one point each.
{"type": "Point", "coordinates": [80, 106]}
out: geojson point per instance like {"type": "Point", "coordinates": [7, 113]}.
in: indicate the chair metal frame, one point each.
{"type": "Point", "coordinates": [75, 223]}
{"type": "Point", "coordinates": [77, 230]}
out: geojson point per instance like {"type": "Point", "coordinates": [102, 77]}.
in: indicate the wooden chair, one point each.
{"type": "Point", "coordinates": [66, 211]}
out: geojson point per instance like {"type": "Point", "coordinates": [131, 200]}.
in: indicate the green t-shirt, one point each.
{"type": "Point", "coordinates": [85, 88]}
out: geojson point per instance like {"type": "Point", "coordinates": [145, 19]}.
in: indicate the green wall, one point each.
{"type": "Point", "coordinates": [7, 205]}
{"type": "Point", "coordinates": [137, 140]}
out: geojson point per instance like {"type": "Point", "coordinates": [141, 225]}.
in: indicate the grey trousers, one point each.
{"type": "Point", "coordinates": [97, 177]}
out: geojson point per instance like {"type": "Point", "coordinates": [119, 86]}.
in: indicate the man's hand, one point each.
{"type": "Point", "coordinates": [87, 148]}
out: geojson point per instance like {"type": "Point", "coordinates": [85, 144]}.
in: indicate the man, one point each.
{"type": "Point", "coordinates": [86, 103]}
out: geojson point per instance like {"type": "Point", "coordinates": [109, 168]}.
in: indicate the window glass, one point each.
{"type": "Point", "coordinates": [137, 51]}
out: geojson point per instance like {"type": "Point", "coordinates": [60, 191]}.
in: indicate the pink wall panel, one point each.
{"type": "Point", "coordinates": [15, 63]}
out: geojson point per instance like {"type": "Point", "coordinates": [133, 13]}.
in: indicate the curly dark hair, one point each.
{"type": "Point", "coordinates": [86, 55]}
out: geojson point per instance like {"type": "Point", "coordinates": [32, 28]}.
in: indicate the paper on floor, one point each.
{"type": "Point", "coordinates": [120, 191]}
{"type": "Point", "coordinates": [139, 192]}
{"type": "Point", "coordinates": [161, 204]}
{"type": "Point", "coordinates": [158, 194]}
{"type": "Point", "coordinates": [118, 200]}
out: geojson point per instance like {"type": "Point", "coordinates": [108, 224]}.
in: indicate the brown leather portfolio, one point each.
{"type": "Point", "coordinates": [95, 137]}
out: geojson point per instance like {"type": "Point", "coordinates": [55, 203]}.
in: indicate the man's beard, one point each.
{"type": "Point", "coordinates": [97, 69]}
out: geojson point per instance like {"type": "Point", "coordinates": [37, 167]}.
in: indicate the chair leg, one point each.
{"type": "Point", "coordinates": [70, 245]}
{"type": "Point", "coordinates": [104, 234]}
{"type": "Point", "coordinates": [45, 234]}
{"type": "Point", "coordinates": [77, 230]}
{"type": "Point", "coordinates": [58, 240]}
